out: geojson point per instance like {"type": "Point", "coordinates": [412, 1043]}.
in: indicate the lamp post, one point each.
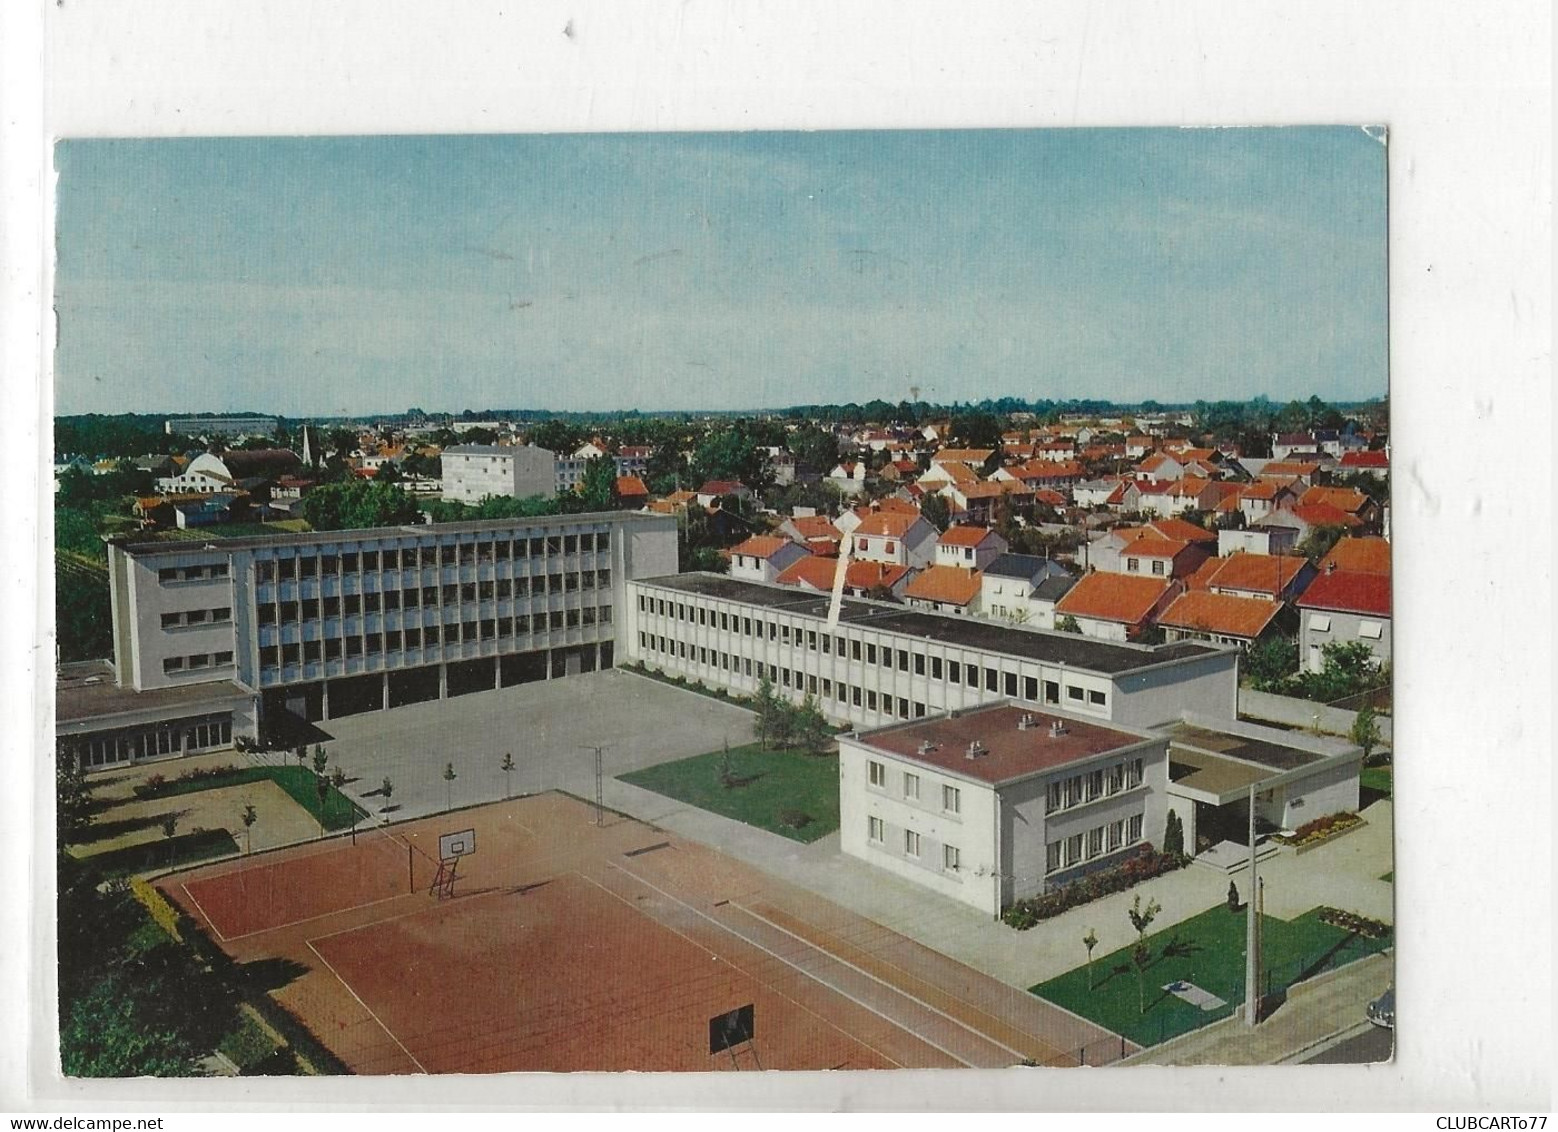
{"type": "Point", "coordinates": [1252, 933]}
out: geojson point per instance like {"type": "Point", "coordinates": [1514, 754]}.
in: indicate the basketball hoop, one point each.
{"type": "Point", "coordinates": [451, 847]}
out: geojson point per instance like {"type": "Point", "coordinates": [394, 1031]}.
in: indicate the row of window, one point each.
{"type": "Point", "coordinates": [1133, 566]}
{"type": "Point", "coordinates": [501, 589]}
{"type": "Point", "coordinates": [1081, 847]}
{"type": "Point", "coordinates": [1080, 789]}
{"type": "Point", "coordinates": [951, 796]}
{"type": "Point", "coordinates": [196, 662]}
{"type": "Point", "coordinates": [416, 557]}
{"type": "Point", "coordinates": [953, 672]}
{"type": "Point", "coordinates": [179, 736]}
{"type": "Point", "coordinates": [190, 617]}
{"type": "Point", "coordinates": [1369, 630]}
{"type": "Point", "coordinates": [209, 572]}
{"type": "Point", "coordinates": [431, 636]}
{"type": "Point", "coordinates": [876, 833]}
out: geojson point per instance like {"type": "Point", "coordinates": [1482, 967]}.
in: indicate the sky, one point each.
{"type": "Point", "coordinates": [350, 276]}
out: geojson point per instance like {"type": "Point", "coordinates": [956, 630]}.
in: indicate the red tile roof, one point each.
{"type": "Point", "coordinates": [818, 573]}
{"type": "Point", "coordinates": [1359, 556]}
{"type": "Point", "coordinates": [1375, 459]}
{"type": "Point", "coordinates": [762, 546]}
{"type": "Point", "coordinates": [962, 455]}
{"type": "Point", "coordinates": [1349, 592]}
{"type": "Point", "coordinates": [1113, 597]}
{"type": "Point", "coordinates": [951, 585]}
{"type": "Point", "coordinates": [964, 536]}
{"type": "Point", "coordinates": [1150, 546]}
{"type": "Point", "coordinates": [1324, 515]}
{"type": "Point", "coordinates": [1262, 573]}
{"type": "Point", "coordinates": [1348, 499]}
{"type": "Point", "coordinates": [1182, 529]}
{"type": "Point", "coordinates": [1220, 613]}
{"type": "Point", "coordinates": [887, 524]}
{"type": "Point", "coordinates": [628, 486]}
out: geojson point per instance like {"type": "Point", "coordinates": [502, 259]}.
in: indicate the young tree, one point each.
{"type": "Point", "coordinates": [507, 767]}
{"type": "Point", "coordinates": [1174, 835]}
{"type": "Point", "coordinates": [73, 800]}
{"type": "Point", "coordinates": [1067, 624]}
{"type": "Point", "coordinates": [1270, 661]}
{"type": "Point", "coordinates": [170, 828]}
{"type": "Point", "coordinates": [766, 702]}
{"type": "Point", "coordinates": [1141, 954]}
{"type": "Point", "coordinates": [322, 792]}
{"type": "Point", "coordinates": [449, 777]}
{"type": "Point", "coordinates": [249, 817]}
{"type": "Point", "coordinates": [726, 775]}
{"type": "Point", "coordinates": [321, 760]}
{"type": "Point", "coordinates": [387, 789]}
{"type": "Point", "coordinates": [1090, 941]}
{"type": "Point", "coordinates": [811, 728]}
{"type": "Point", "coordinates": [1365, 730]}
{"type": "Point", "coordinates": [302, 754]}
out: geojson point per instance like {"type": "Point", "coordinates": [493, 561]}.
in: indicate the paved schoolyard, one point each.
{"type": "Point", "coordinates": [545, 725]}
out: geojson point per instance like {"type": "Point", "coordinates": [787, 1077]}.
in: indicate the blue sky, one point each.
{"type": "Point", "coordinates": [585, 272]}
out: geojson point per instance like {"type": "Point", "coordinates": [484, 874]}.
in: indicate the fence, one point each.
{"type": "Point", "coordinates": [1100, 1051]}
{"type": "Point", "coordinates": [1307, 714]}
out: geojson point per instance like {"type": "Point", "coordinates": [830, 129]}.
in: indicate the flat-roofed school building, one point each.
{"type": "Point", "coordinates": [881, 663]}
{"type": "Point", "coordinates": [997, 804]}
{"type": "Point", "coordinates": [332, 623]}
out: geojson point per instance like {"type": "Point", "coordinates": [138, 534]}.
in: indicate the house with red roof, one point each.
{"type": "Point", "coordinates": [1116, 607]}
{"type": "Point", "coordinates": [815, 532]}
{"type": "Point", "coordinates": [762, 558]}
{"type": "Point", "coordinates": [1201, 615]}
{"type": "Point", "coordinates": [895, 538]}
{"type": "Point", "coordinates": [1274, 576]}
{"type": "Point", "coordinates": [861, 579]}
{"type": "Point", "coordinates": [969, 546]}
{"type": "Point", "coordinates": [714, 489]}
{"type": "Point", "coordinates": [1367, 555]}
{"type": "Point", "coordinates": [1144, 551]}
{"type": "Point", "coordinates": [1375, 463]}
{"type": "Point", "coordinates": [1340, 607]}
{"type": "Point", "coordinates": [632, 492]}
{"type": "Point", "coordinates": [945, 589]}
{"type": "Point", "coordinates": [1348, 500]}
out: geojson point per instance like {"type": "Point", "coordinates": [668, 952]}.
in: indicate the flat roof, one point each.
{"type": "Point", "coordinates": [367, 534]}
{"type": "Point", "coordinates": [86, 690]}
{"type": "Point", "coordinates": [1044, 645]}
{"type": "Point", "coordinates": [1275, 757]}
{"type": "Point", "coordinates": [1197, 770]}
{"type": "Point", "coordinates": [1008, 753]}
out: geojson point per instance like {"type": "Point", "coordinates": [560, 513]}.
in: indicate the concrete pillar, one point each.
{"type": "Point", "coordinates": [497, 673]}
{"type": "Point", "coordinates": [324, 699]}
{"type": "Point", "coordinates": [386, 692]}
{"type": "Point", "coordinates": [443, 680]}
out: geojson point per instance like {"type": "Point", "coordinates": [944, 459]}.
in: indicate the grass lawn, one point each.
{"type": "Point", "coordinates": [300, 783]}
{"type": "Point", "coordinates": [1376, 778]}
{"type": "Point", "coordinates": [1207, 950]}
{"type": "Point", "coordinates": [183, 849]}
{"type": "Point", "coordinates": [773, 782]}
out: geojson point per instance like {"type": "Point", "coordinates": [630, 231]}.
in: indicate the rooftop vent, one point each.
{"type": "Point", "coordinates": [975, 749]}
{"type": "Point", "coordinates": [1057, 729]}
{"type": "Point", "coordinates": [1025, 722]}
{"type": "Point", "coordinates": [926, 746]}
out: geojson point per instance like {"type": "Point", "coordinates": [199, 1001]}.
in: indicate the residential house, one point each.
{"type": "Point", "coordinates": [1265, 495]}
{"type": "Point", "coordinates": [1277, 577]}
{"type": "Point", "coordinates": [848, 477]}
{"type": "Point", "coordinates": [815, 532]}
{"type": "Point", "coordinates": [894, 538]}
{"type": "Point", "coordinates": [632, 492]}
{"type": "Point", "coordinates": [1348, 500]}
{"type": "Point", "coordinates": [1259, 539]}
{"type": "Point", "coordinates": [861, 579]}
{"type": "Point", "coordinates": [1201, 615]}
{"type": "Point", "coordinates": [1341, 607]}
{"type": "Point", "coordinates": [1009, 581]}
{"type": "Point", "coordinates": [1367, 555]}
{"type": "Point", "coordinates": [969, 546]}
{"type": "Point", "coordinates": [1117, 607]}
{"type": "Point", "coordinates": [1045, 596]}
{"type": "Point", "coordinates": [1140, 550]}
{"type": "Point", "coordinates": [1364, 462]}
{"type": "Point", "coordinates": [973, 457]}
{"type": "Point", "coordinates": [762, 558]}
{"type": "Point", "coordinates": [945, 589]}
{"type": "Point", "coordinates": [718, 489]}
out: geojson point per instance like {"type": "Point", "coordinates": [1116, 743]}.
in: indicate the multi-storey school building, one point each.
{"type": "Point", "coordinates": [331, 623]}
{"type": "Point", "coordinates": [880, 663]}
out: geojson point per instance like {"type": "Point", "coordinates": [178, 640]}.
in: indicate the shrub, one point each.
{"type": "Point", "coordinates": [1144, 865]}
{"type": "Point", "coordinates": [794, 819]}
{"type": "Point", "coordinates": [1352, 922]}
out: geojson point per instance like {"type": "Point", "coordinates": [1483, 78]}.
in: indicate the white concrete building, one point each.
{"type": "Point", "coordinates": [882, 662]}
{"type": "Point", "coordinates": [472, 472]}
{"type": "Point", "coordinates": [1000, 803]}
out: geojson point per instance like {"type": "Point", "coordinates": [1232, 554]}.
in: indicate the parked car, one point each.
{"type": "Point", "coordinates": [1382, 1011]}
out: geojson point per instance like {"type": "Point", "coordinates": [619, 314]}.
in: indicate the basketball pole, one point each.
{"type": "Point", "coordinates": [600, 798]}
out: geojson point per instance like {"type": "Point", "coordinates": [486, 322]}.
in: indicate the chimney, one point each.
{"type": "Point", "coordinates": [975, 749]}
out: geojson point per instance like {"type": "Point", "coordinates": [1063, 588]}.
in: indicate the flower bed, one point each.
{"type": "Point", "coordinates": [1145, 865]}
{"type": "Point", "coordinates": [1352, 922]}
{"type": "Point", "coordinates": [1321, 830]}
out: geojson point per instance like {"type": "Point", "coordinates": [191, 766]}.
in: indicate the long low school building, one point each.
{"type": "Point", "coordinates": [879, 663]}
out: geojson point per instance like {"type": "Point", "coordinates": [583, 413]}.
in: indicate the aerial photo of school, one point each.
{"type": "Point", "coordinates": [723, 602]}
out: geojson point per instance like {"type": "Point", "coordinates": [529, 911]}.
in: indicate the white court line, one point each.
{"type": "Point", "coordinates": [420, 1067]}
{"type": "Point", "coordinates": [793, 966]}
{"type": "Point", "coordinates": [206, 916]}
{"type": "Point", "coordinates": [771, 989]}
{"type": "Point", "coordinates": [322, 916]}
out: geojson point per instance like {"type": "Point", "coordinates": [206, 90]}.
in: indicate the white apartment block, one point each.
{"type": "Point", "coordinates": [472, 472]}
{"type": "Point", "coordinates": [1000, 803]}
{"type": "Point", "coordinates": [881, 663]}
